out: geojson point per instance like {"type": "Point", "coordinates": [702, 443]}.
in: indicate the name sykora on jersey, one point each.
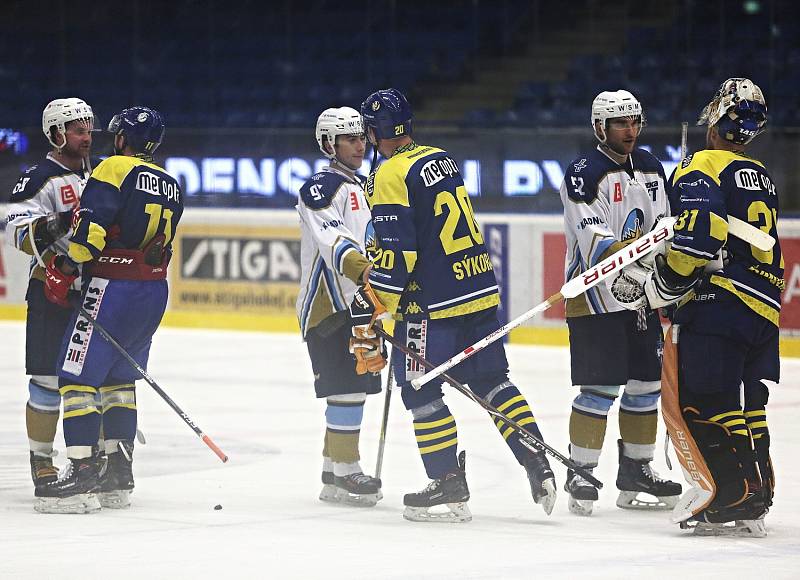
{"type": "Point", "coordinates": [429, 258]}
{"type": "Point", "coordinates": [607, 205]}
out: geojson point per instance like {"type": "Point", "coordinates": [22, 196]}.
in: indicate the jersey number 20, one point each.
{"type": "Point", "coordinates": [457, 205]}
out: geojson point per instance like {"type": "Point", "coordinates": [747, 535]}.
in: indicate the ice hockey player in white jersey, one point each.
{"type": "Point", "coordinates": [336, 226]}
{"type": "Point", "coordinates": [38, 221]}
{"type": "Point", "coordinates": [612, 196]}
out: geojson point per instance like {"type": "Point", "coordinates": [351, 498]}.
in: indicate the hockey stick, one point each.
{"type": "Point", "coordinates": [528, 439]}
{"type": "Point", "coordinates": [578, 285]}
{"type": "Point", "coordinates": [205, 438]}
{"type": "Point", "coordinates": [385, 420]}
{"type": "Point", "coordinates": [85, 313]}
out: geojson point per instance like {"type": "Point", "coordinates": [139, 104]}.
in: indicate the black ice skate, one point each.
{"type": "Point", "coordinates": [356, 489]}
{"type": "Point", "coordinates": [450, 491]}
{"type": "Point", "coordinates": [116, 480]}
{"type": "Point", "coordinates": [43, 472]}
{"type": "Point", "coordinates": [745, 519]}
{"type": "Point", "coordinates": [582, 494]}
{"type": "Point", "coordinates": [542, 480]}
{"type": "Point", "coordinates": [73, 493]}
{"type": "Point", "coordinates": [637, 476]}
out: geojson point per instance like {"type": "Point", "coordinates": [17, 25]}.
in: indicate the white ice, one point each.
{"type": "Point", "coordinates": [252, 394]}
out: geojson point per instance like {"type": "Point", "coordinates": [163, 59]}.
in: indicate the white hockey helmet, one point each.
{"type": "Point", "coordinates": [612, 105]}
{"type": "Point", "coordinates": [738, 109]}
{"type": "Point", "coordinates": [59, 112]}
{"type": "Point", "coordinates": [333, 122]}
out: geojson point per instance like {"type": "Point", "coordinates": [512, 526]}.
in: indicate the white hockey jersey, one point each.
{"type": "Point", "coordinates": [335, 224]}
{"type": "Point", "coordinates": [43, 189]}
{"type": "Point", "coordinates": [606, 204]}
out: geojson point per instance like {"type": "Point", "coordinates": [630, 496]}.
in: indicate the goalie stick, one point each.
{"type": "Point", "coordinates": [593, 276]}
{"type": "Point", "coordinates": [528, 439]}
{"type": "Point", "coordinates": [578, 285]}
{"type": "Point", "coordinates": [85, 314]}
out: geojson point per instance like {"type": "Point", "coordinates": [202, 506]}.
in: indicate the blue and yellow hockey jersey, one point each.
{"type": "Point", "coordinates": [428, 255]}
{"type": "Point", "coordinates": [706, 188]}
{"type": "Point", "coordinates": [126, 203]}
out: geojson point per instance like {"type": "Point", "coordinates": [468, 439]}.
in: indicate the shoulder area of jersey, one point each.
{"type": "Point", "coordinates": [644, 160]}
{"type": "Point", "coordinates": [321, 188]}
{"type": "Point", "coordinates": [711, 162]}
{"type": "Point", "coordinates": [583, 174]}
{"type": "Point", "coordinates": [119, 166]}
{"type": "Point", "coordinates": [35, 177]}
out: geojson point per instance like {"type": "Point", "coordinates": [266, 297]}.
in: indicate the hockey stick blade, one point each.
{"type": "Point", "coordinates": [527, 438]}
{"type": "Point", "coordinates": [750, 234]}
{"type": "Point", "coordinates": [578, 285]}
{"type": "Point", "coordinates": [106, 335]}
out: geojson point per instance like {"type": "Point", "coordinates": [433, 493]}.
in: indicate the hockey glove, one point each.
{"type": "Point", "coordinates": [52, 227]}
{"type": "Point", "coordinates": [365, 310]}
{"type": "Point", "coordinates": [664, 286]}
{"type": "Point", "coordinates": [370, 355]}
{"type": "Point", "coordinates": [57, 283]}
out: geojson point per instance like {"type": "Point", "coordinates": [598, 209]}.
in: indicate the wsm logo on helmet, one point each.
{"type": "Point", "coordinates": [634, 225]}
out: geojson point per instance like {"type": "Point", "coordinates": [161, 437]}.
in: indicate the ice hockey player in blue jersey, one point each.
{"type": "Point", "coordinates": [612, 196]}
{"type": "Point", "coordinates": [335, 226]}
{"type": "Point", "coordinates": [432, 272]}
{"type": "Point", "coordinates": [722, 349]}
{"type": "Point", "coordinates": [129, 213]}
{"type": "Point", "coordinates": [39, 220]}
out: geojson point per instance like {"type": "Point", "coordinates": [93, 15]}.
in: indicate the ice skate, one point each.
{"type": "Point", "coordinates": [745, 519]}
{"type": "Point", "coordinates": [450, 491]}
{"type": "Point", "coordinates": [43, 472]}
{"type": "Point", "coordinates": [582, 494]}
{"type": "Point", "coordinates": [355, 489]}
{"type": "Point", "coordinates": [116, 480]}
{"type": "Point", "coordinates": [73, 493]}
{"type": "Point", "coordinates": [542, 480]}
{"type": "Point", "coordinates": [635, 477]}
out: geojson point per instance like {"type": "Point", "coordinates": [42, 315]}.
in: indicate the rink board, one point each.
{"type": "Point", "coordinates": [240, 270]}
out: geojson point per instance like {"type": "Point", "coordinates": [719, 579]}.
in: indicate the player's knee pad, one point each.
{"type": "Point", "coordinates": [344, 413]}
{"type": "Point", "coordinates": [80, 400]}
{"type": "Point", "coordinates": [428, 409]}
{"type": "Point", "coordinates": [46, 381]}
{"type": "Point", "coordinates": [595, 401]}
{"type": "Point", "coordinates": [118, 397]}
{"type": "Point", "coordinates": [645, 403]}
{"type": "Point", "coordinates": [45, 399]}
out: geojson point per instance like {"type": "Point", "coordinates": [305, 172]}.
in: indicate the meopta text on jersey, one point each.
{"type": "Point", "coordinates": [708, 187]}
{"type": "Point", "coordinates": [335, 231]}
{"type": "Point", "coordinates": [126, 203]}
{"type": "Point", "coordinates": [429, 259]}
{"type": "Point", "coordinates": [606, 205]}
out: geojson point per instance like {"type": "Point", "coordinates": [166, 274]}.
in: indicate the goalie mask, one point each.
{"type": "Point", "coordinates": [612, 105]}
{"type": "Point", "coordinates": [59, 112]}
{"type": "Point", "coordinates": [738, 110]}
{"type": "Point", "coordinates": [333, 122]}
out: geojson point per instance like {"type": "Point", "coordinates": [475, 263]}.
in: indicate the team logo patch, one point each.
{"type": "Point", "coordinates": [376, 105]}
{"type": "Point", "coordinates": [68, 196]}
{"type": "Point", "coordinates": [580, 165]}
{"type": "Point", "coordinates": [416, 340]}
{"type": "Point", "coordinates": [81, 334]}
{"type": "Point", "coordinates": [142, 117]}
{"type": "Point", "coordinates": [633, 227]}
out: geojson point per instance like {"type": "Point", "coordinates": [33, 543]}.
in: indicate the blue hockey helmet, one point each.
{"type": "Point", "coordinates": [738, 110]}
{"type": "Point", "coordinates": [142, 127]}
{"type": "Point", "coordinates": [387, 113]}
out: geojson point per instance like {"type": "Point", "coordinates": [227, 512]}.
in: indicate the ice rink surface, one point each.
{"type": "Point", "coordinates": [252, 394]}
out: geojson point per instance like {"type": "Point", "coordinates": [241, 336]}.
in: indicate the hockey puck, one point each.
{"type": "Point", "coordinates": [218, 506]}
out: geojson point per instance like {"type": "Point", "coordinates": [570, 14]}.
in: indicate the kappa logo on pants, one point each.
{"type": "Point", "coordinates": [82, 330]}
{"type": "Point", "coordinates": [416, 339]}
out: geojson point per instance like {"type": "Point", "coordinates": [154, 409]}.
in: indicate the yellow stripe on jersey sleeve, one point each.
{"type": "Point", "coordinates": [718, 227]}
{"type": "Point", "coordinates": [116, 168]}
{"type": "Point", "coordinates": [96, 237]}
